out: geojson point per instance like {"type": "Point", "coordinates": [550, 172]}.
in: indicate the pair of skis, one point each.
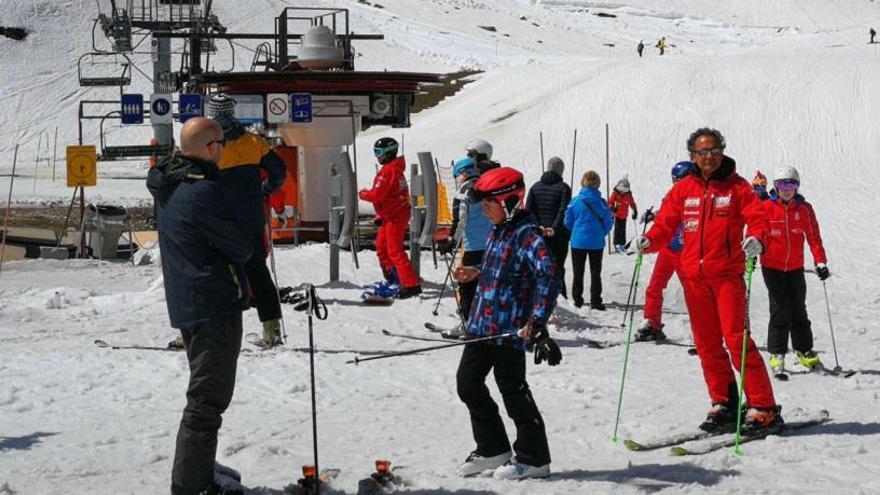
{"type": "Point", "coordinates": [697, 443]}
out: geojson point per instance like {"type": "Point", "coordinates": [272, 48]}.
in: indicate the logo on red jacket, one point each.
{"type": "Point", "coordinates": [692, 202]}
{"type": "Point", "coordinates": [691, 224]}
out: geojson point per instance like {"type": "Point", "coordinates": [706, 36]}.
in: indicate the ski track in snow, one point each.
{"type": "Point", "coordinates": [792, 83]}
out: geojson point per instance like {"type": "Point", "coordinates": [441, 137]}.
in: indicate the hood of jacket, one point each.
{"type": "Point", "coordinates": [550, 177]}
{"type": "Point", "coordinates": [163, 180]}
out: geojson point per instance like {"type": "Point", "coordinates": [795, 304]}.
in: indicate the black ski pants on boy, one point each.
{"type": "Point", "coordinates": [788, 311]}
{"type": "Point", "coordinates": [509, 367]}
{"type": "Point", "coordinates": [212, 350]}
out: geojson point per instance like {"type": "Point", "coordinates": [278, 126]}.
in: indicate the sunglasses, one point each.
{"type": "Point", "coordinates": [713, 152]}
{"type": "Point", "coordinates": [786, 185]}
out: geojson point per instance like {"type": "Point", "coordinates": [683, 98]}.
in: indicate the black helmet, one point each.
{"type": "Point", "coordinates": [385, 149]}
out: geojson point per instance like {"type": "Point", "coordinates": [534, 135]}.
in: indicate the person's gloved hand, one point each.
{"type": "Point", "coordinates": [647, 217]}
{"type": "Point", "coordinates": [752, 247]}
{"type": "Point", "coordinates": [822, 271]}
{"type": "Point", "coordinates": [362, 193]}
{"type": "Point", "coordinates": [613, 208]}
{"type": "Point", "coordinates": [639, 245]}
{"type": "Point", "coordinates": [635, 214]}
{"type": "Point", "coordinates": [377, 220]}
{"type": "Point", "coordinates": [546, 348]}
{"type": "Point", "coordinates": [446, 246]}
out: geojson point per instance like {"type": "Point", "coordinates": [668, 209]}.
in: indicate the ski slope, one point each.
{"type": "Point", "coordinates": [788, 83]}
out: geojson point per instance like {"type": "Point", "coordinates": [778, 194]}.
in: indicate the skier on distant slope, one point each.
{"type": "Point", "coordinates": [792, 220]}
{"type": "Point", "coordinates": [620, 201]}
{"type": "Point", "coordinates": [390, 198]}
{"type": "Point", "coordinates": [518, 294]}
{"type": "Point", "coordinates": [715, 204]}
{"type": "Point", "coordinates": [668, 262]}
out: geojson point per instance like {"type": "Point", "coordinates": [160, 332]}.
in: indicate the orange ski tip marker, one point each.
{"type": "Point", "coordinates": [383, 465]}
{"type": "Point", "coordinates": [309, 472]}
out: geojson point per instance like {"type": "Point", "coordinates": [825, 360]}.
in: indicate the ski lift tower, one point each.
{"type": "Point", "coordinates": [125, 18]}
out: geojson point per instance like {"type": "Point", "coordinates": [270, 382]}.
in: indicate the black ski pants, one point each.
{"type": "Point", "coordinates": [260, 278]}
{"type": "Point", "coordinates": [578, 262]}
{"type": "Point", "coordinates": [212, 350]}
{"type": "Point", "coordinates": [509, 367]}
{"type": "Point", "coordinates": [788, 311]}
{"type": "Point", "coordinates": [467, 290]}
{"type": "Point", "coordinates": [558, 245]}
{"type": "Point", "coordinates": [619, 231]}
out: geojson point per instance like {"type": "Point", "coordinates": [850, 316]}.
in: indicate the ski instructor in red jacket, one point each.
{"type": "Point", "coordinates": [714, 205]}
{"type": "Point", "coordinates": [390, 198]}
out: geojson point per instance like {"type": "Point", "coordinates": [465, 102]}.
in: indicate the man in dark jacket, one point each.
{"type": "Point", "coordinates": [546, 203]}
{"type": "Point", "coordinates": [203, 256]}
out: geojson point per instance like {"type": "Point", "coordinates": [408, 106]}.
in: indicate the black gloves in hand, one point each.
{"type": "Point", "coordinates": [647, 217]}
{"type": "Point", "coordinates": [545, 348]}
{"type": "Point", "coordinates": [377, 221]}
{"type": "Point", "coordinates": [822, 272]}
{"type": "Point", "coordinates": [635, 214]}
{"type": "Point", "coordinates": [447, 246]}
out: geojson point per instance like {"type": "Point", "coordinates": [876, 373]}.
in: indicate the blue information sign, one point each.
{"type": "Point", "coordinates": [301, 107]}
{"type": "Point", "coordinates": [189, 106]}
{"type": "Point", "coordinates": [132, 109]}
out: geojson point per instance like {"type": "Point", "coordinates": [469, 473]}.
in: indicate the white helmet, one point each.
{"type": "Point", "coordinates": [481, 147]}
{"type": "Point", "coordinates": [787, 173]}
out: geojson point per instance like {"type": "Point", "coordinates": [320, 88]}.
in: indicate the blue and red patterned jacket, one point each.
{"type": "Point", "coordinates": [518, 284]}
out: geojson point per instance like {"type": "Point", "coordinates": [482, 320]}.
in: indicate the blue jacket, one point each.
{"type": "Point", "coordinates": [518, 283]}
{"type": "Point", "coordinates": [588, 224]}
{"type": "Point", "coordinates": [203, 246]}
{"type": "Point", "coordinates": [472, 226]}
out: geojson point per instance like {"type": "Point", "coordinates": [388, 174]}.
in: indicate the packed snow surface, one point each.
{"type": "Point", "coordinates": [789, 82]}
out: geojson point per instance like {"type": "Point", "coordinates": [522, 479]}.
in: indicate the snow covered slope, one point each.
{"type": "Point", "coordinates": [790, 82]}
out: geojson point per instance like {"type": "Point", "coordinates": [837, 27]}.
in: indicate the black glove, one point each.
{"type": "Point", "coordinates": [635, 214]}
{"type": "Point", "coordinates": [447, 246]}
{"type": "Point", "coordinates": [614, 208]}
{"type": "Point", "coordinates": [647, 217]}
{"type": "Point", "coordinates": [822, 272]}
{"type": "Point", "coordinates": [545, 348]}
{"type": "Point", "coordinates": [377, 221]}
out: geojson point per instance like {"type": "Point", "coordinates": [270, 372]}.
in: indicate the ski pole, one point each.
{"type": "Point", "coordinates": [631, 294]}
{"type": "Point", "coordinates": [837, 367]}
{"type": "Point", "coordinates": [275, 277]}
{"type": "Point", "coordinates": [358, 360]}
{"type": "Point", "coordinates": [8, 205]}
{"type": "Point", "coordinates": [446, 280]}
{"type": "Point", "coordinates": [626, 355]}
{"type": "Point", "coordinates": [314, 307]}
{"type": "Point", "coordinates": [747, 329]}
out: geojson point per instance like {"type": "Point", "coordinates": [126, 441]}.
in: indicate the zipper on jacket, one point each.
{"type": "Point", "coordinates": [787, 239]}
{"type": "Point", "coordinates": [703, 225]}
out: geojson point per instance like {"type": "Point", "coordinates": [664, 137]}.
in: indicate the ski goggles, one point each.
{"type": "Point", "coordinates": [786, 185]}
{"type": "Point", "coordinates": [381, 151]}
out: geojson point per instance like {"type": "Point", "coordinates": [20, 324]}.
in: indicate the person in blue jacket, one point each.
{"type": "Point", "coordinates": [589, 220]}
{"type": "Point", "coordinates": [204, 249]}
{"type": "Point", "coordinates": [471, 229]}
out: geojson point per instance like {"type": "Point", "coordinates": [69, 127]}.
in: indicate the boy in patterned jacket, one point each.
{"type": "Point", "coordinates": [518, 290]}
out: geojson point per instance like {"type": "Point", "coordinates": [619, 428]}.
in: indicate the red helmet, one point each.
{"type": "Point", "coordinates": [503, 183]}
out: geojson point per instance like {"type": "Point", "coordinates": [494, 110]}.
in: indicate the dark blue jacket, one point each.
{"type": "Point", "coordinates": [589, 220]}
{"type": "Point", "coordinates": [203, 246]}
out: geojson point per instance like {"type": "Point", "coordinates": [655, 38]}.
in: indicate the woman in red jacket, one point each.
{"type": "Point", "coordinates": [620, 201]}
{"type": "Point", "coordinates": [791, 221]}
{"type": "Point", "coordinates": [714, 205]}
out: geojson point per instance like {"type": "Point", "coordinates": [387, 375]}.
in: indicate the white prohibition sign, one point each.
{"type": "Point", "coordinates": [278, 108]}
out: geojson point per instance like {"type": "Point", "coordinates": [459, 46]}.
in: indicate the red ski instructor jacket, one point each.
{"type": "Point", "coordinates": [713, 214]}
{"type": "Point", "coordinates": [790, 224]}
{"type": "Point", "coordinates": [390, 193]}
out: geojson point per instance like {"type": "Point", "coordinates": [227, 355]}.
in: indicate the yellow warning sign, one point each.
{"type": "Point", "coordinates": [81, 168]}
